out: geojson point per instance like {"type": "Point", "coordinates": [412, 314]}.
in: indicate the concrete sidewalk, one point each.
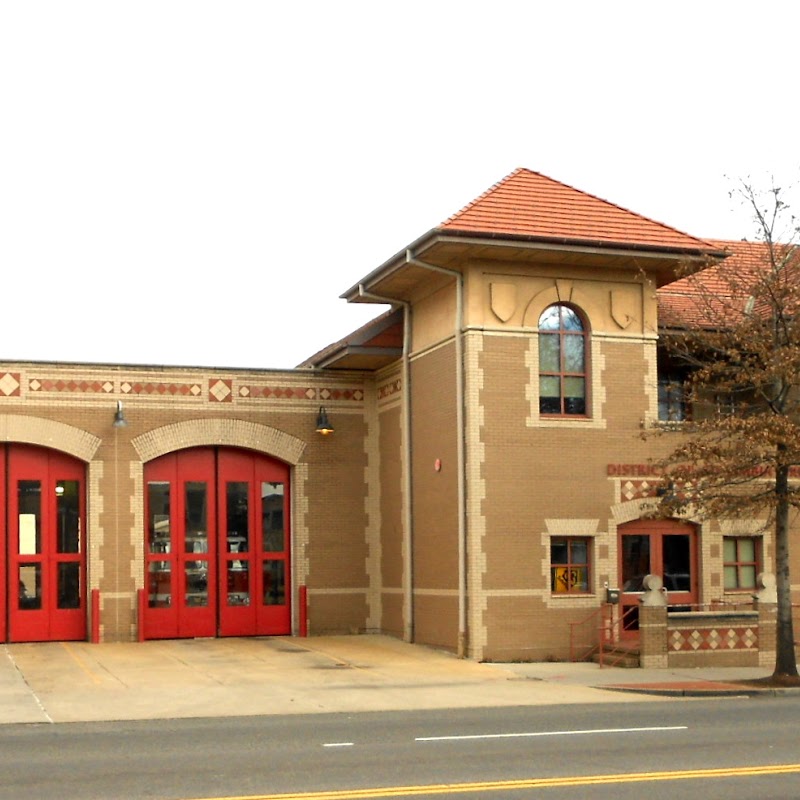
{"type": "Point", "coordinates": [78, 681]}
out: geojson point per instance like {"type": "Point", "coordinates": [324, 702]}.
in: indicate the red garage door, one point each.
{"type": "Point", "coordinates": [42, 530]}
{"type": "Point", "coordinates": [217, 545]}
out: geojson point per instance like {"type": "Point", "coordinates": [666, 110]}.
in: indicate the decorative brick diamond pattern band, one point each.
{"type": "Point", "coordinates": [389, 389]}
{"type": "Point", "coordinates": [280, 392]}
{"type": "Point", "coordinates": [635, 490]}
{"type": "Point", "coordinates": [72, 386]}
{"type": "Point", "coordinates": [171, 389]}
{"type": "Point", "coordinates": [10, 384]}
{"type": "Point", "coordinates": [689, 640]}
{"type": "Point", "coordinates": [204, 389]}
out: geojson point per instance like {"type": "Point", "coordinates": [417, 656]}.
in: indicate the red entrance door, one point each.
{"type": "Point", "coordinates": [45, 586]}
{"type": "Point", "coordinates": [666, 548]}
{"type": "Point", "coordinates": [180, 549]}
{"type": "Point", "coordinates": [217, 551]}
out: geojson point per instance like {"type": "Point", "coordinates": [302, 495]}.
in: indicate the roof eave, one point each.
{"type": "Point", "coordinates": [397, 261]}
{"type": "Point", "coordinates": [585, 245]}
{"type": "Point", "coordinates": [437, 235]}
{"type": "Point", "coordinates": [379, 353]}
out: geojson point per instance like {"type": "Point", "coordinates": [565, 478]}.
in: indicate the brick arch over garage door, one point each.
{"type": "Point", "coordinates": [216, 432]}
{"type": "Point", "coordinates": [48, 433]}
{"type": "Point", "coordinates": [228, 433]}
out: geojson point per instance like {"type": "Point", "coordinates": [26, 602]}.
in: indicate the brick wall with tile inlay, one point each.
{"type": "Point", "coordinates": [62, 406]}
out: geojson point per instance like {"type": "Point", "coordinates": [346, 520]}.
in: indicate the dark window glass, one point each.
{"type": "Point", "coordinates": [677, 562]}
{"type": "Point", "coordinates": [272, 524]}
{"type": "Point", "coordinates": [238, 583]}
{"type": "Point", "coordinates": [158, 533]}
{"type": "Point", "coordinates": [159, 582]}
{"type": "Point", "coordinates": [29, 581]}
{"type": "Point", "coordinates": [67, 517]}
{"type": "Point", "coordinates": [196, 583]}
{"type": "Point", "coordinates": [671, 398]}
{"type": "Point", "coordinates": [635, 561]}
{"type": "Point", "coordinates": [238, 517]}
{"type": "Point", "coordinates": [569, 565]}
{"type": "Point", "coordinates": [69, 585]}
{"type": "Point", "coordinates": [274, 583]}
{"type": "Point", "coordinates": [196, 537]}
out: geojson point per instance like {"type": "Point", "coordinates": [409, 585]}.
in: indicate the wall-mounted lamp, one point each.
{"type": "Point", "coordinates": [323, 425]}
{"type": "Point", "coordinates": [119, 417]}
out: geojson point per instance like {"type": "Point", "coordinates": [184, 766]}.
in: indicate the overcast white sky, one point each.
{"type": "Point", "coordinates": [195, 183]}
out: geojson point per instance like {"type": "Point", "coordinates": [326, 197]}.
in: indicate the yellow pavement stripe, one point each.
{"type": "Point", "coordinates": [532, 783]}
{"type": "Point", "coordinates": [79, 661]}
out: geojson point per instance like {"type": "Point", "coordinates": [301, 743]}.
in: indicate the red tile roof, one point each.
{"type": "Point", "coordinates": [717, 292]}
{"type": "Point", "coordinates": [529, 204]}
{"type": "Point", "coordinates": [383, 333]}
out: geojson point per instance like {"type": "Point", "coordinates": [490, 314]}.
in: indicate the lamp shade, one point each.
{"type": "Point", "coordinates": [323, 424]}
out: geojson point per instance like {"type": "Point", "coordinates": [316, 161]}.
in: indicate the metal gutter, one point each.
{"type": "Point", "coordinates": [408, 521]}
{"type": "Point", "coordinates": [563, 244]}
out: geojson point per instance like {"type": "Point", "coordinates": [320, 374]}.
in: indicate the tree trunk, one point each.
{"type": "Point", "coordinates": [785, 659]}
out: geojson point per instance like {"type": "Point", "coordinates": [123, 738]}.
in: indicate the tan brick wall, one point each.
{"type": "Point", "coordinates": [542, 479]}
{"type": "Point", "coordinates": [435, 545]}
{"type": "Point", "coordinates": [523, 627]}
{"type": "Point", "coordinates": [336, 612]}
{"type": "Point", "coordinates": [392, 610]}
{"type": "Point", "coordinates": [71, 408]}
{"type": "Point", "coordinates": [653, 637]}
{"type": "Point", "coordinates": [476, 496]}
{"type": "Point", "coordinates": [337, 521]}
{"type": "Point", "coordinates": [436, 618]}
{"type": "Point", "coordinates": [372, 509]}
{"type": "Point", "coordinates": [768, 633]}
{"type": "Point", "coordinates": [391, 500]}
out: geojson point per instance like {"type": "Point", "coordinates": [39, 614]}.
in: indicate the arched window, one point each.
{"type": "Point", "coordinates": [562, 362]}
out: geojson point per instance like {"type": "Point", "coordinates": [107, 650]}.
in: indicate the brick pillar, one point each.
{"type": "Point", "coordinates": [653, 637]}
{"type": "Point", "coordinates": [767, 625]}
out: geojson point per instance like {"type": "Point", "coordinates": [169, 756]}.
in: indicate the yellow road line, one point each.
{"type": "Point", "coordinates": [79, 661]}
{"type": "Point", "coordinates": [532, 783]}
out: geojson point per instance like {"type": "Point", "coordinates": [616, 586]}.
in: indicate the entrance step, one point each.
{"type": "Point", "coordinates": [619, 655]}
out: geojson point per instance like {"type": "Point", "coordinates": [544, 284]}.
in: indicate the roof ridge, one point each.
{"type": "Point", "coordinates": [520, 170]}
{"type": "Point", "coordinates": [489, 191]}
{"type": "Point", "coordinates": [626, 210]}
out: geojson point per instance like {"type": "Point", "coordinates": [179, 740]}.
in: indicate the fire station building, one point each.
{"type": "Point", "coordinates": [484, 485]}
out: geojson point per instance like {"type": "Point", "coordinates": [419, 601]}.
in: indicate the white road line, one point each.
{"type": "Point", "coordinates": [338, 744]}
{"type": "Point", "coordinates": [29, 687]}
{"type": "Point", "coordinates": [548, 733]}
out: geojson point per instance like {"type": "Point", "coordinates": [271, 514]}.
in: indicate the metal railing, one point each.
{"type": "Point", "coordinates": [602, 628]}
{"type": "Point", "coordinates": [599, 634]}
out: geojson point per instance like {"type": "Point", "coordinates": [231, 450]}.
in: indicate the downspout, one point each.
{"type": "Point", "coordinates": [461, 465]}
{"type": "Point", "coordinates": [408, 532]}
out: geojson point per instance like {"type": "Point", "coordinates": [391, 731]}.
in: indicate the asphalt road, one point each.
{"type": "Point", "coordinates": [546, 751]}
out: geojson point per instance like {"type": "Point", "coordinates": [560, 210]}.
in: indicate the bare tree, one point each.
{"type": "Point", "coordinates": [734, 328]}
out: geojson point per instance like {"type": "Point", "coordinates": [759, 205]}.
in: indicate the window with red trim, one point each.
{"type": "Point", "coordinates": [741, 556]}
{"type": "Point", "coordinates": [562, 362]}
{"type": "Point", "coordinates": [569, 564]}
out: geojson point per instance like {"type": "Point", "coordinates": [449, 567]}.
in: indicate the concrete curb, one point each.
{"type": "Point", "coordinates": [678, 690]}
